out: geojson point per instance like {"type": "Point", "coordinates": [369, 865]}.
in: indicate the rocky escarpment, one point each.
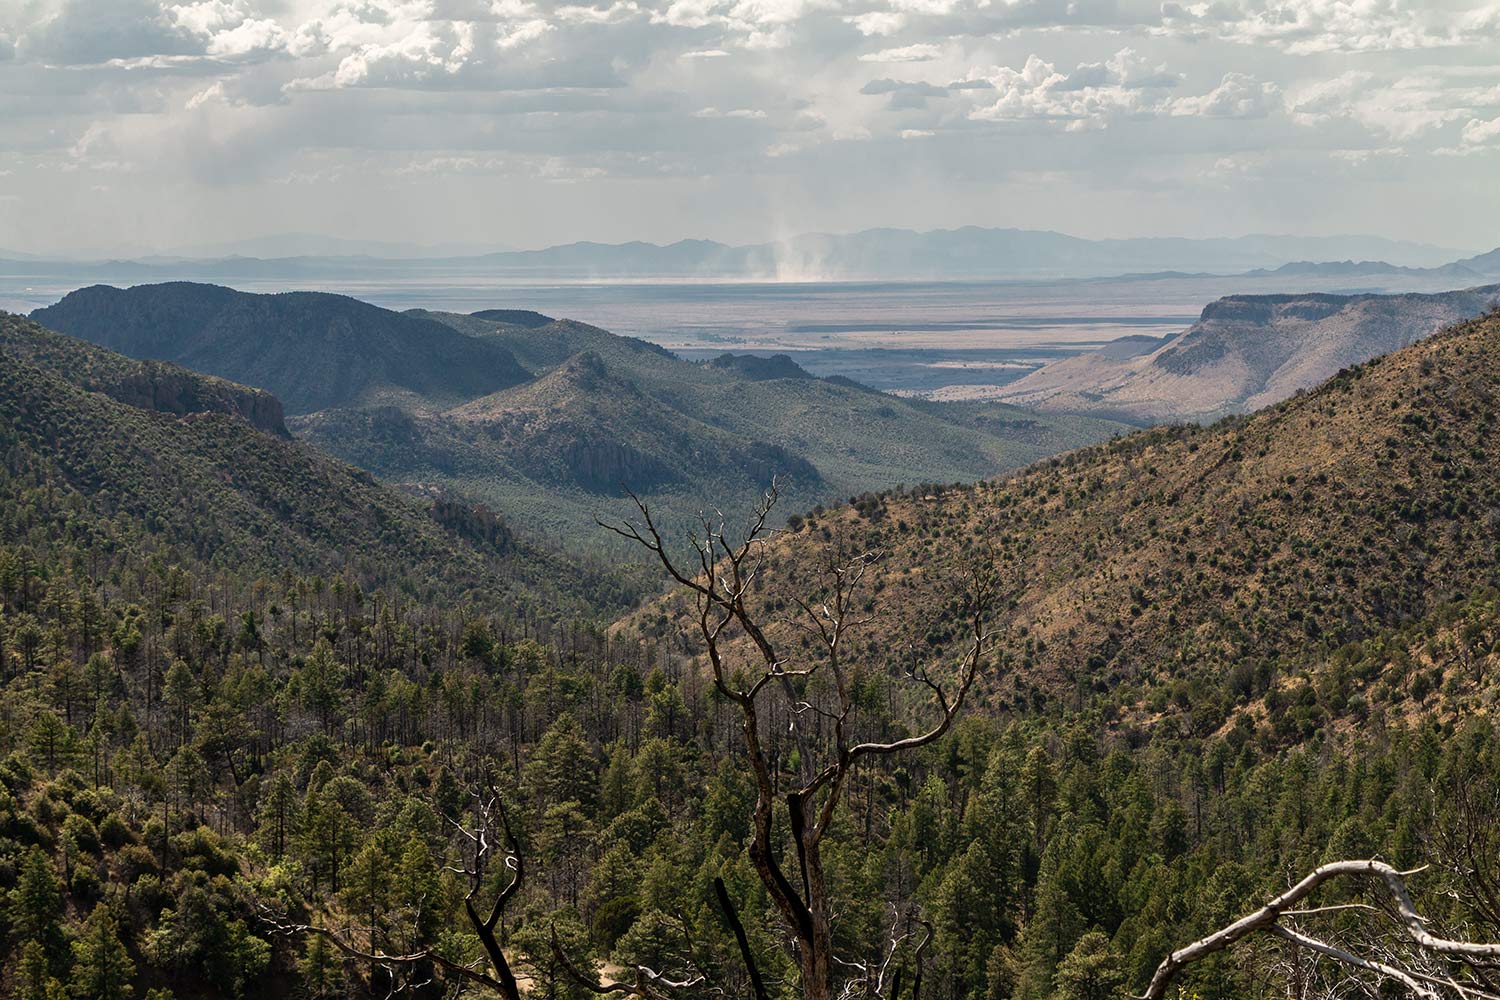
{"type": "Point", "coordinates": [1245, 352]}
{"type": "Point", "coordinates": [166, 388]}
{"type": "Point", "coordinates": [473, 521]}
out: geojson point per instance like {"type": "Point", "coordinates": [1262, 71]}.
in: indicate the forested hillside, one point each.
{"type": "Point", "coordinates": [221, 778]}
{"type": "Point", "coordinates": [194, 763]}
{"type": "Point", "coordinates": [1199, 567]}
{"type": "Point", "coordinates": [136, 458]}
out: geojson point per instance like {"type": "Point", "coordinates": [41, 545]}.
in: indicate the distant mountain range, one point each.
{"type": "Point", "coordinates": [544, 420]}
{"type": "Point", "coordinates": [1245, 352]}
{"type": "Point", "coordinates": [970, 252]}
{"type": "Point", "coordinates": [1481, 266]}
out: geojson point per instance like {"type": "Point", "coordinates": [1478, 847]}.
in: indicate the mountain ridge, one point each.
{"type": "Point", "coordinates": [311, 349]}
{"type": "Point", "coordinates": [1192, 558]}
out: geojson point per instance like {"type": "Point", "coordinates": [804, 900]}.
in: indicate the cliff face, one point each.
{"type": "Point", "coordinates": [166, 388]}
{"type": "Point", "coordinates": [602, 465]}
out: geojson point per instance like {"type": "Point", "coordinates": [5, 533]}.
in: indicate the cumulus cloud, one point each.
{"type": "Point", "coordinates": [1091, 95]}
{"type": "Point", "coordinates": [1402, 109]}
{"type": "Point", "coordinates": [878, 22]}
{"type": "Point", "coordinates": [752, 114]}
{"type": "Point", "coordinates": [82, 32]}
{"type": "Point", "coordinates": [147, 33]}
{"type": "Point", "coordinates": [1482, 133]}
{"type": "Point", "coordinates": [1236, 96]}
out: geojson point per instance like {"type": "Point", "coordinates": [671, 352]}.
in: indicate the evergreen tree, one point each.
{"type": "Point", "coordinates": [102, 968]}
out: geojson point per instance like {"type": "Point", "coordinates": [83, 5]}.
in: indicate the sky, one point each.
{"type": "Point", "coordinates": [141, 125]}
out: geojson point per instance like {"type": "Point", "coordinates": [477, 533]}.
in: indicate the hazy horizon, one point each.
{"type": "Point", "coordinates": [327, 244]}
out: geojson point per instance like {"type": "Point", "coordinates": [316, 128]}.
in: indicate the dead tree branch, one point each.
{"type": "Point", "coordinates": [1413, 929]}
{"type": "Point", "coordinates": [482, 842]}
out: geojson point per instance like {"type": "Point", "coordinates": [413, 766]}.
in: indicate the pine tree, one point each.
{"type": "Point", "coordinates": [102, 968]}
{"type": "Point", "coordinates": [35, 908]}
{"type": "Point", "coordinates": [321, 968]}
{"type": "Point", "coordinates": [1091, 971]}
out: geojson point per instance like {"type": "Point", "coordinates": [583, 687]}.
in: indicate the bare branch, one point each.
{"type": "Point", "coordinates": [286, 928]}
{"type": "Point", "coordinates": [648, 983]}
{"type": "Point", "coordinates": [1268, 918]}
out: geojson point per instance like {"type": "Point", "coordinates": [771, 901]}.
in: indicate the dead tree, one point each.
{"type": "Point", "coordinates": [1406, 953]}
{"type": "Point", "coordinates": [722, 577]}
{"type": "Point", "coordinates": [482, 845]}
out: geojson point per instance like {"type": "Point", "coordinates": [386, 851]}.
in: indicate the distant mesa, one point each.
{"type": "Point", "coordinates": [1364, 504]}
{"type": "Point", "coordinates": [1245, 352]}
{"type": "Point", "coordinates": [759, 369]}
{"type": "Point", "coordinates": [966, 253]}
{"type": "Point", "coordinates": [515, 317]}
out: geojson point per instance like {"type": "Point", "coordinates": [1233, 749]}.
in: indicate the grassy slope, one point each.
{"type": "Point", "coordinates": [1189, 553]}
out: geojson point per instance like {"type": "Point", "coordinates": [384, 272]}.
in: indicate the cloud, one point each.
{"type": "Point", "coordinates": [745, 113]}
{"type": "Point", "coordinates": [1092, 95]}
{"type": "Point", "coordinates": [918, 52]}
{"type": "Point", "coordinates": [1401, 109]}
{"type": "Point", "coordinates": [454, 55]}
{"type": "Point", "coordinates": [1236, 96]}
{"type": "Point", "coordinates": [1481, 133]}
{"type": "Point", "coordinates": [213, 93]}
{"type": "Point", "coordinates": [978, 18]}
{"type": "Point", "coordinates": [878, 22]}
{"type": "Point", "coordinates": [84, 32]}
{"type": "Point", "coordinates": [1310, 27]}
{"type": "Point", "coordinates": [1125, 69]}
{"type": "Point", "coordinates": [146, 33]}
{"type": "Point", "coordinates": [903, 95]}
{"type": "Point", "coordinates": [218, 93]}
